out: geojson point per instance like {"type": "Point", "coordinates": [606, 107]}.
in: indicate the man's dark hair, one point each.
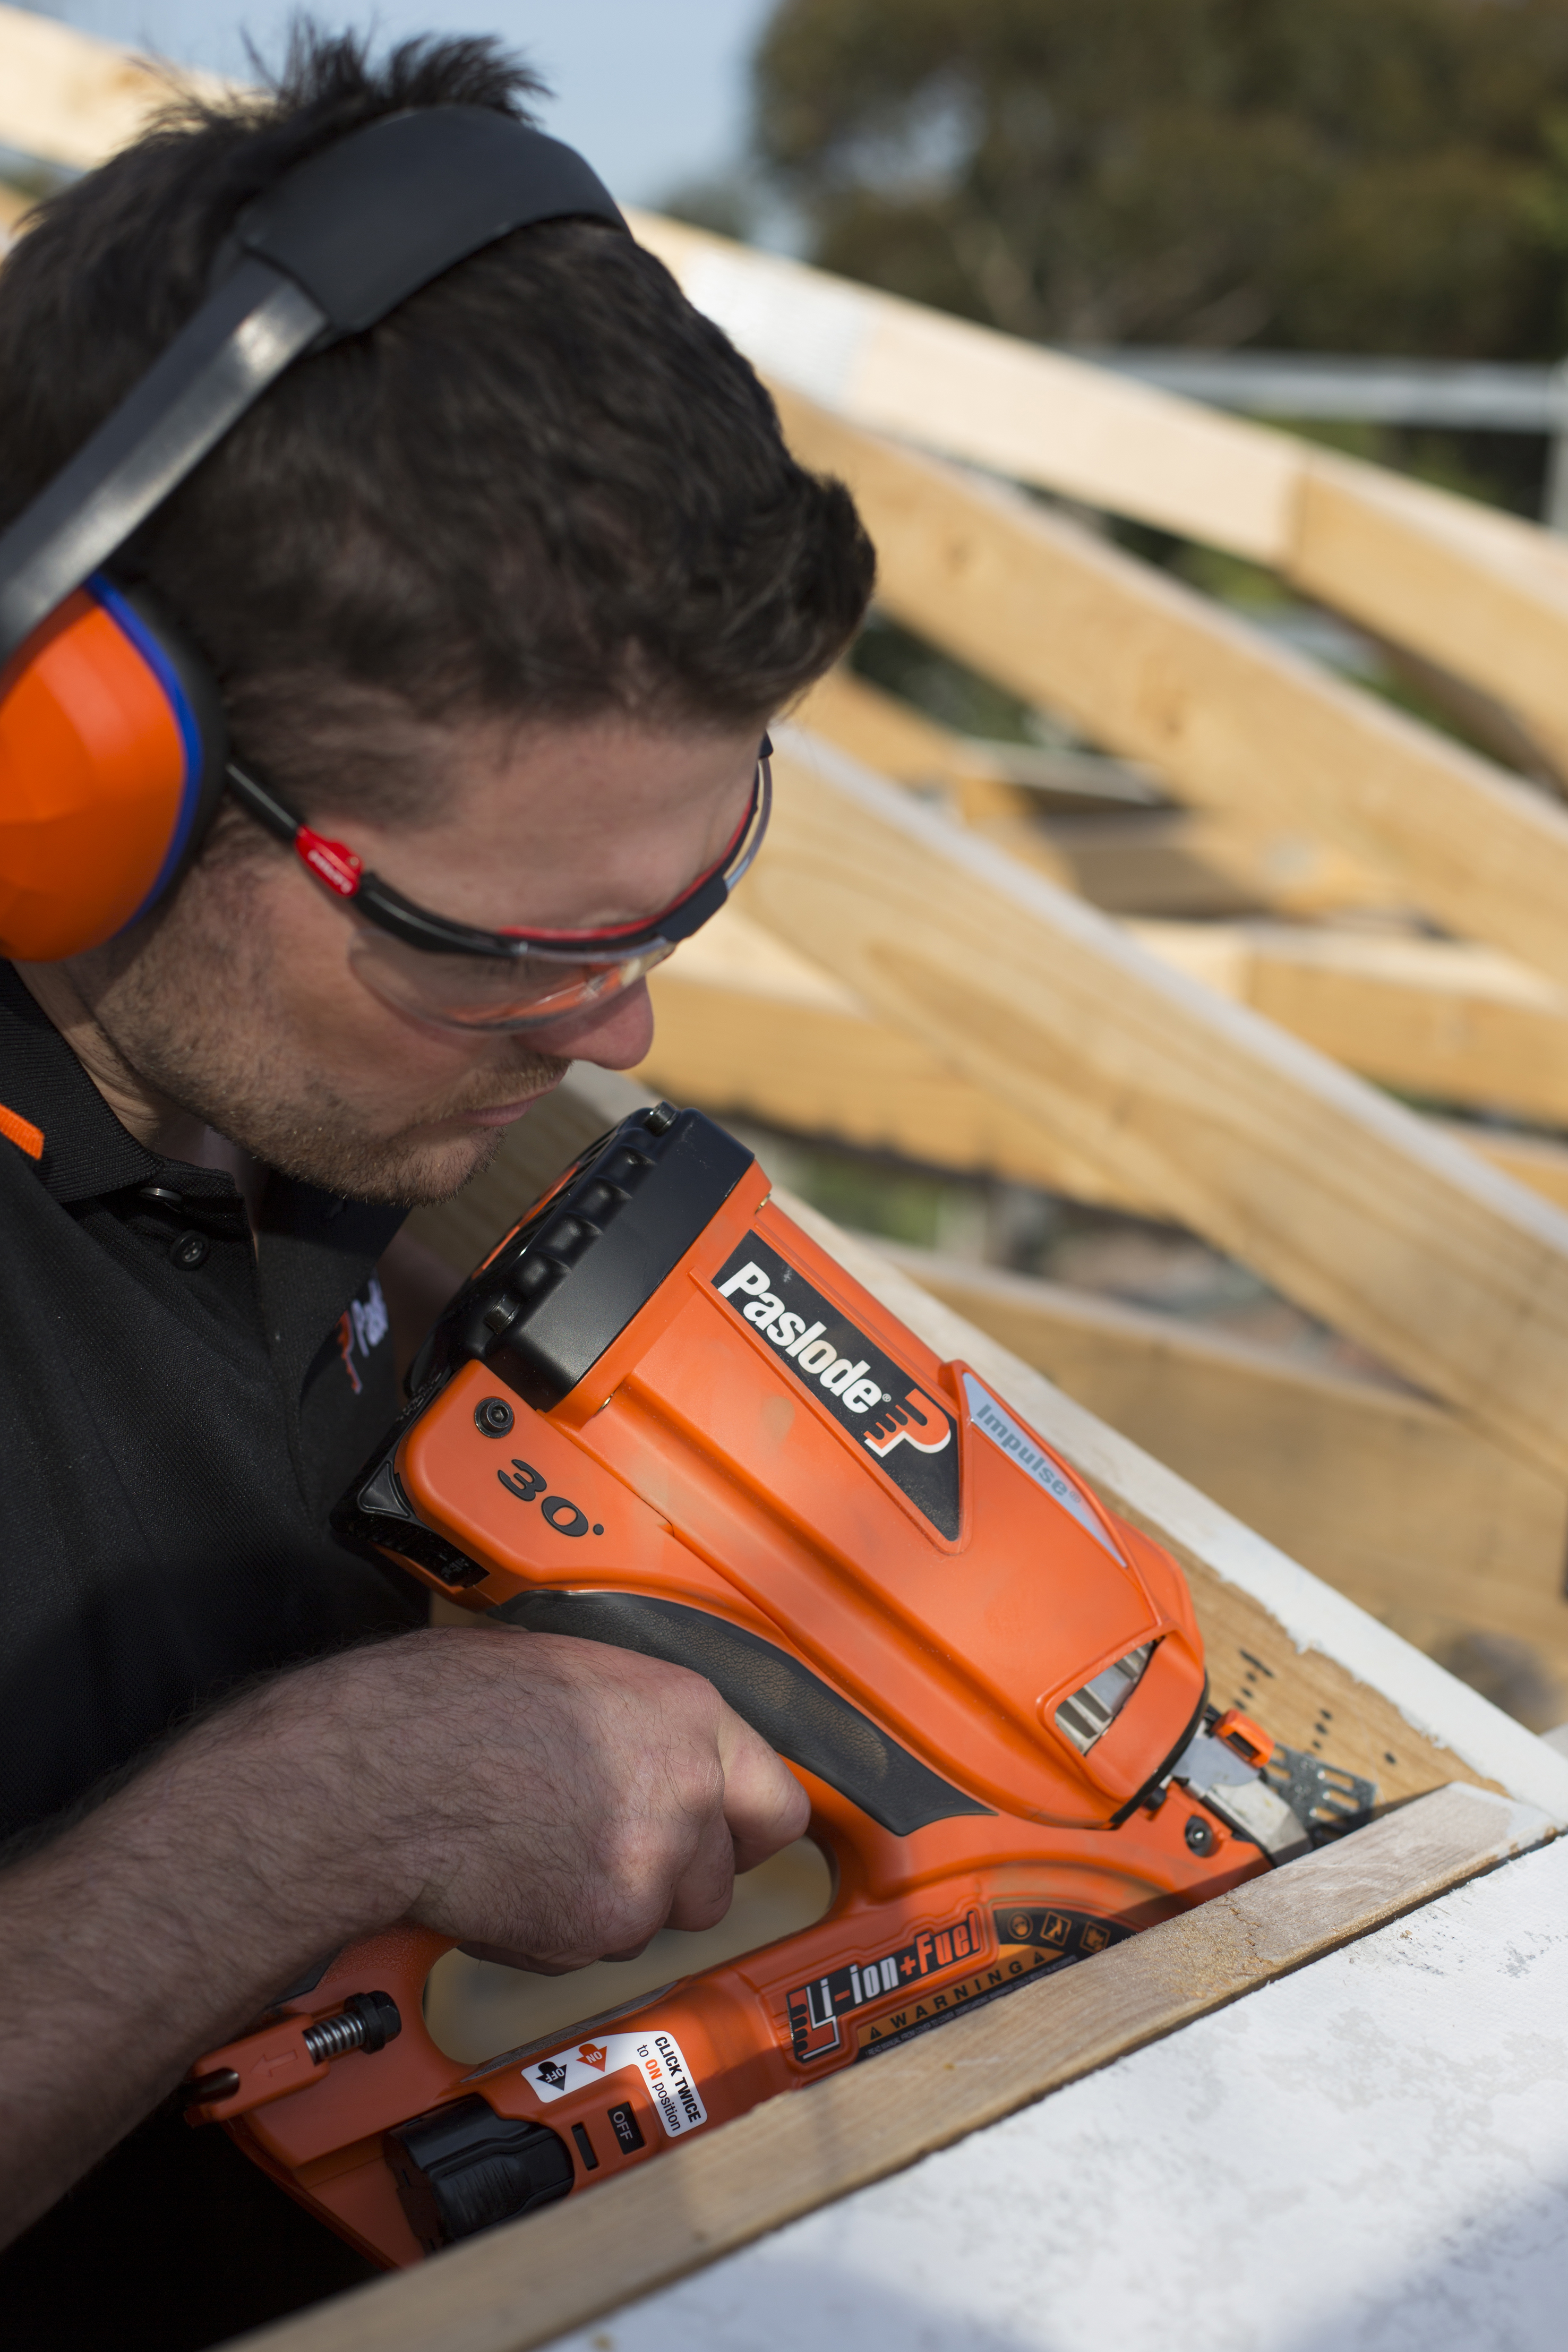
{"type": "Point", "coordinates": [545, 487]}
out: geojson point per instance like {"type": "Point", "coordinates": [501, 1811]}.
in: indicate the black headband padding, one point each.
{"type": "Point", "coordinates": [367, 222]}
{"type": "Point", "coordinates": [341, 239]}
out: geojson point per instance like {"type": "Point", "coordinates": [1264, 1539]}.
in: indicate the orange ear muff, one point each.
{"type": "Point", "coordinates": [111, 759]}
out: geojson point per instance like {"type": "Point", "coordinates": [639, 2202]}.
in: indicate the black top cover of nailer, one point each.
{"type": "Point", "coordinates": [572, 1277]}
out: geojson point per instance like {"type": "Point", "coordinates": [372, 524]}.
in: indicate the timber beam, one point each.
{"type": "Point", "coordinates": [1232, 721]}
{"type": "Point", "coordinates": [1444, 1019]}
{"type": "Point", "coordinates": [1118, 848]}
{"type": "Point", "coordinates": [1344, 1200]}
{"type": "Point", "coordinates": [1476, 592]}
{"type": "Point", "coordinates": [1436, 1018]}
{"type": "Point", "coordinates": [746, 1024]}
{"type": "Point", "coordinates": [70, 98]}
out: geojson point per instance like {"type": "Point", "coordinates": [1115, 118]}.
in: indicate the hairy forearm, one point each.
{"type": "Point", "coordinates": [543, 1800]}
{"type": "Point", "coordinates": [162, 1924]}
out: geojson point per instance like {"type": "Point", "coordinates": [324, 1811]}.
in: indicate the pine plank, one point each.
{"type": "Point", "coordinates": [1130, 859]}
{"type": "Point", "coordinates": [1480, 594]}
{"type": "Point", "coordinates": [1230, 720]}
{"type": "Point", "coordinates": [69, 98]}
{"type": "Point", "coordinates": [819, 1065]}
{"type": "Point", "coordinates": [748, 1026]}
{"type": "Point", "coordinates": [991, 398]}
{"type": "Point", "coordinates": [1341, 1199]}
{"type": "Point", "coordinates": [1440, 1019]}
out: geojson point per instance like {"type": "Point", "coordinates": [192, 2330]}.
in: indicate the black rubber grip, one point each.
{"type": "Point", "coordinates": [796, 1713]}
{"type": "Point", "coordinates": [462, 2167]}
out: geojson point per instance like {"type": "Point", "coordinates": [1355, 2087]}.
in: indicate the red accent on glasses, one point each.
{"type": "Point", "coordinates": [332, 862]}
{"type": "Point", "coordinates": [341, 871]}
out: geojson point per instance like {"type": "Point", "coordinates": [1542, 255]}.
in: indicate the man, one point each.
{"type": "Point", "coordinates": [502, 594]}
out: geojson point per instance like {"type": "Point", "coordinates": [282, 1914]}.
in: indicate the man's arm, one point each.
{"type": "Point", "coordinates": [542, 1800]}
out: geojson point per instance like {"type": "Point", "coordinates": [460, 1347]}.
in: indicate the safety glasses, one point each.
{"type": "Point", "coordinates": [461, 978]}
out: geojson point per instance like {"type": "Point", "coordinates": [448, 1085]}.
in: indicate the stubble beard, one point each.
{"type": "Point", "coordinates": [187, 1042]}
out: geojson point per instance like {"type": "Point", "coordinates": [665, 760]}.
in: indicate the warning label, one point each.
{"type": "Point", "coordinates": [1035, 1940]}
{"type": "Point", "coordinates": [1078, 1934]}
{"type": "Point", "coordinates": [817, 2008]}
{"type": "Point", "coordinates": [902, 2024]}
{"type": "Point", "coordinates": [656, 2056]}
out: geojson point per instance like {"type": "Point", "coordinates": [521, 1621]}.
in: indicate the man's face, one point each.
{"type": "Point", "coordinates": [237, 1005]}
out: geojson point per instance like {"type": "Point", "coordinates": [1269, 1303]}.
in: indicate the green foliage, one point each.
{"type": "Point", "coordinates": [1357, 176]}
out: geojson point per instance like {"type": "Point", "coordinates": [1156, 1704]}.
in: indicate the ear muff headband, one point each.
{"type": "Point", "coordinates": [339, 242]}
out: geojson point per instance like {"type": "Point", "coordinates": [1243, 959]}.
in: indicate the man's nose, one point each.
{"type": "Point", "coordinates": [616, 1034]}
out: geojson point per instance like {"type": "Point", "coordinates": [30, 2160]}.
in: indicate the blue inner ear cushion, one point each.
{"type": "Point", "coordinates": [197, 711]}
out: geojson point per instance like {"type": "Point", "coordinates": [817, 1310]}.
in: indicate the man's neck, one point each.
{"type": "Point", "coordinates": [156, 1121]}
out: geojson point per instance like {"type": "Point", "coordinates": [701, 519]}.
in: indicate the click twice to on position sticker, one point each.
{"type": "Point", "coordinates": [655, 2055]}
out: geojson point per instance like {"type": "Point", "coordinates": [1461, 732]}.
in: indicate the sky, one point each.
{"type": "Point", "coordinates": [654, 91]}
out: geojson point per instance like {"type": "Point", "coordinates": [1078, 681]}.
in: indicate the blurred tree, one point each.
{"type": "Point", "coordinates": [1356, 176]}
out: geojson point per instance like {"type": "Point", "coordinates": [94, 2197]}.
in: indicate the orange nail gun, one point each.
{"type": "Point", "coordinates": [660, 1416]}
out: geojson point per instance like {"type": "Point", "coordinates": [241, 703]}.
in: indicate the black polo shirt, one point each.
{"type": "Point", "coordinates": [179, 1408]}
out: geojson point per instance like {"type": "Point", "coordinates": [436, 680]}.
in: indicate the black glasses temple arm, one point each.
{"type": "Point", "coordinates": [259, 802]}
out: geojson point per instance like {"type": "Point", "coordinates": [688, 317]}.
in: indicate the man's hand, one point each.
{"type": "Point", "coordinates": [545, 1801]}
{"type": "Point", "coordinates": [541, 1800]}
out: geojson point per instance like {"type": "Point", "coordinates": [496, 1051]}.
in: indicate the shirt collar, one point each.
{"type": "Point", "coordinates": [315, 1252]}
{"type": "Point", "coordinates": [84, 1150]}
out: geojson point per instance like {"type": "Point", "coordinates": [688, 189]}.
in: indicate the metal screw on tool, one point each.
{"type": "Point", "coordinates": [1199, 1836]}
{"type": "Point", "coordinates": [367, 2020]}
{"type": "Point", "coordinates": [661, 1118]}
{"type": "Point", "coordinates": [189, 1250]}
{"type": "Point", "coordinates": [494, 1416]}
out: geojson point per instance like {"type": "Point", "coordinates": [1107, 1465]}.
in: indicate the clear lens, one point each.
{"type": "Point", "coordinates": [458, 991]}
{"type": "Point", "coordinates": [516, 991]}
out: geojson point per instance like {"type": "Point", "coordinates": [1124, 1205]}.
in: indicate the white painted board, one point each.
{"type": "Point", "coordinates": [1370, 2156]}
